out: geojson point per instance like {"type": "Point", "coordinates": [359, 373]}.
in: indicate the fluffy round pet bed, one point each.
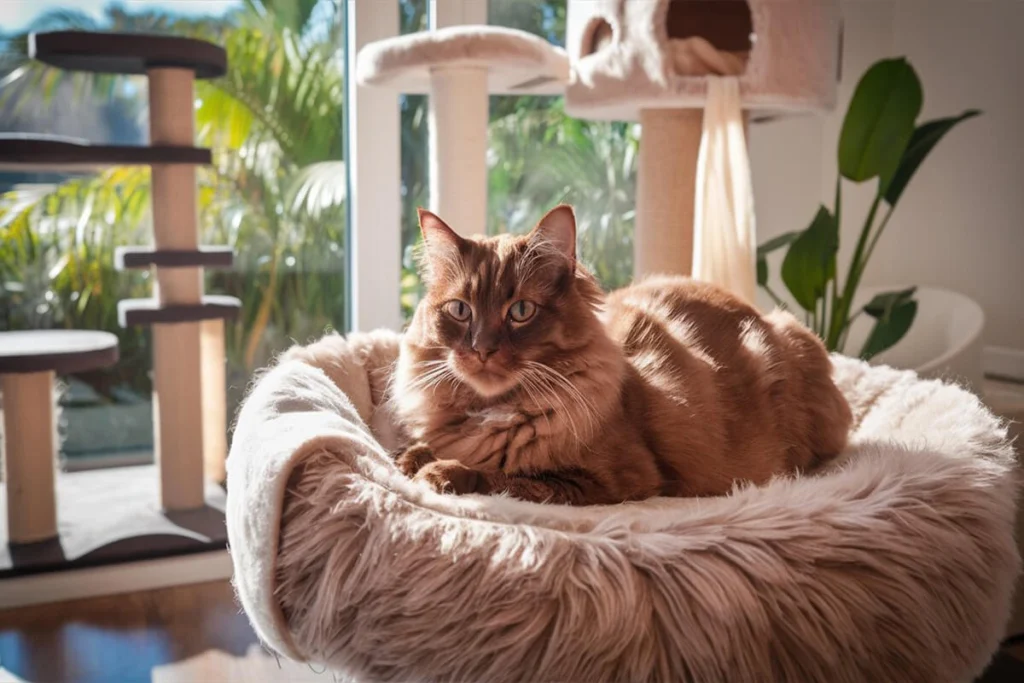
{"type": "Point", "coordinates": [897, 564]}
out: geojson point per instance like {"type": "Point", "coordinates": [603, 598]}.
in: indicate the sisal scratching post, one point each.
{"type": "Point", "coordinates": [459, 107]}
{"type": "Point", "coordinates": [177, 350]}
{"type": "Point", "coordinates": [30, 449]}
{"type": "Point", "coordinates": [669, 146]}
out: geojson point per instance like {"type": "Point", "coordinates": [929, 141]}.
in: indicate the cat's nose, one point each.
{"type": "Point", "coordinates": [485, 352]}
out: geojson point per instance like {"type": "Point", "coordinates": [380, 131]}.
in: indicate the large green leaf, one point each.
{"type": "Point", "coordinates": [879, 121]}
{"type": "Point", "coordinates": [889, 329]}
{"type": "Point", "coordinates": [810, 261]}
{"type": "Point", "coordinates": [882, 305]}
{"type": "Point", "coordinates": [924, 139]}
{"type": "Point", "coordinates": [768, 247]}
{"type": "Point", "coordinates": [777, 242]}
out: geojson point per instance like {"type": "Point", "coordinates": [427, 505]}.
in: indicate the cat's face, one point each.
{"type": "Point", "coordinates": [501, 312]}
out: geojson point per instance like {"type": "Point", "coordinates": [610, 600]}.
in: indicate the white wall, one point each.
{"type": "Point", "coordinates": [960, 225]}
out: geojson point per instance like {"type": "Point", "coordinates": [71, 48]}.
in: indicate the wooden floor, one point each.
{"type": "Point", "coordinates": [121, 638]}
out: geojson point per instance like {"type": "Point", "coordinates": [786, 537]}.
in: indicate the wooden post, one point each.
{"type": "Point", "coordinates": [669, 147]}
{"type": "Point", "coordinates": [459, 108]}
{"type": "Point", "coordinates": [30, 452]}
{"type": "Point", "coordinates": [177, 349]}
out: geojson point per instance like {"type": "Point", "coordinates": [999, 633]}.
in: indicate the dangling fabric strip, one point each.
{"type": "Point", "coordinates": [724, 236]}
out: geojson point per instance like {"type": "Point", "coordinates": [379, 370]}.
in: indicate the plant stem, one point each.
{"type": "Point", "coordinates": [828, 323]}
{"type": "Point", "coordinates": [863, 266]}
{"type": "Point", "coordinates": [824, 310]}
{"type": "Point", "coordinates": [846, 329]}
{"type": "Point", "coordinates": [839, 316]}
{"type": "Point", "coordinates": [878, 233]}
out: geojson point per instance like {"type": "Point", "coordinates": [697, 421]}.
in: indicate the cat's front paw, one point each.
{"type": "Point", "coordinates": [414, 458]}
{"type": "Point", "coordinates": [451, 476]}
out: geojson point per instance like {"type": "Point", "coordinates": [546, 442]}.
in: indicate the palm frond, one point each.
{"type": "Point", "coordinates": [317, 188]}
{"type": "Point", "coordinates": [294, 93]}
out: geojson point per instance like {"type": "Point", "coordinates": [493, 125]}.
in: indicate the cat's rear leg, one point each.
{"type": "Point", "coordinates": [827, 416]}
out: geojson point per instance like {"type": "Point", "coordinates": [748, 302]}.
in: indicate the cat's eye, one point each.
{"type": "Point", "coordinates": [458, 309]}
{"type": "Point", "coordinates": [522, 310]}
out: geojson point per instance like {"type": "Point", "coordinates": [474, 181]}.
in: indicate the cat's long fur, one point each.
{"type": "Point", "coordinates": [668, 387]}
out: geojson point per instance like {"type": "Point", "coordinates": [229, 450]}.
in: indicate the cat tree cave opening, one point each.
{"type": "Point", "coordinates": [599, 35]}
{"type": "Point", "coordinates": [694, 37]}
{"type": "Point", "coordinates": [725, 25]}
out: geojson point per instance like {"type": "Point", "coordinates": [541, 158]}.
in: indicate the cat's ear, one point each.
{"type": "Point", "coordinates": [441, 244]}
{"type": "Point", "coordinates": [558, 228]}
{"type": "Point", "coordinates": [437, 235]}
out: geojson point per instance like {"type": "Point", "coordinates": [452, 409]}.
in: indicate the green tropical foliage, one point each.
{"type": "Point", "coordinates": [275, 192]}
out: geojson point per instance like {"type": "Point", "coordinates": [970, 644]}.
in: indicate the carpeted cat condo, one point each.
{"type": "Point", "coordinates": [895, 564]}
{"type": "Point", "coordinates": [693, 73]}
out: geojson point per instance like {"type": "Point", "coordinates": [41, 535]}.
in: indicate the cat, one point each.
{"type": "Point", "coordinates": [518, 375]}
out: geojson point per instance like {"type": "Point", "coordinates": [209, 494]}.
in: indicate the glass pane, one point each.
{"type": "Point", "coordinates": [275, 193]}
{"type": "Point", "coordinates": [539, 157]}
{"type": "Point", "coordinates": [413, 15]}
{"type": "Point", "coordinates": [544, 18]}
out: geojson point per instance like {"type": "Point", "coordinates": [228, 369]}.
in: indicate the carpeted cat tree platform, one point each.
{"type": "Point", "coordinates": [895, 564]}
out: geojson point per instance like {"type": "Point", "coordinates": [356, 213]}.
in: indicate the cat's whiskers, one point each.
{"type": "Point", "coordinates": [545, 389]}
{"type": "Point", "coordinates": [527, 383]}
{"type": "Point", "coordinates": [432, 378]}
{"type": "Point", "coordinates": [439, 373]}
{"type": "Point", "coordinates": [548, 388]}
{"type": "Point", "coordinates": [559, 380]}
{"type": "Point", "coordinates": [393, 377]}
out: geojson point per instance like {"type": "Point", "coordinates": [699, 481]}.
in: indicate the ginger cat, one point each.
{"type": "Point", "coordinates": [518, 375]}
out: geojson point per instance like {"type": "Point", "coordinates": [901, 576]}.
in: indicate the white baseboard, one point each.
{"type": "Point", "coordinates": [74, 584]}
{"type": "Point", "coordinates": [1003, 363]}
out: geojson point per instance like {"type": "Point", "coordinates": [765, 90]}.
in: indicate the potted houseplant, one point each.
{"type": "Point", "coordinates": [880, 142]}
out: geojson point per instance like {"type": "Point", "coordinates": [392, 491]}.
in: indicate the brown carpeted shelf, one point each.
{"type": "Point", "coordinates": [143, 257]}
{"type": "Point", "coordinates": [149, 311]}
{"type": "Point", "coordinates": [126, 53]}
{"type": "Point", "coordinates": [22, 153]}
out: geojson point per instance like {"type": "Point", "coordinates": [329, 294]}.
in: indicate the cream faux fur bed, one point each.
{"type": "Point", "coordinates": [896, 565]}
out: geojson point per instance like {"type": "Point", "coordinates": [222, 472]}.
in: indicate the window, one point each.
{"type": "Point", "coordinates": [275, 193]}
{"type": "Point", "coordinates": [539, 156]}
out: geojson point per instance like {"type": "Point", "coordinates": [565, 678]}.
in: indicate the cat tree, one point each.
{"type": "Point", "coordinates": [189, 406]}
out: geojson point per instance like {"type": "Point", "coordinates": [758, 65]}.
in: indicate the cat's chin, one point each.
{"type": "Point", "coordinates": [490, 384]}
